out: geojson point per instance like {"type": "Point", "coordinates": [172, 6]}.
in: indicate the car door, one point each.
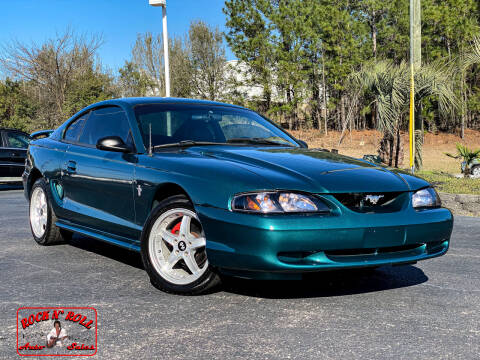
{"type": "Point", "coordinates": [14, 153]}
{"type": "Point", "coordinates": [98, 184]}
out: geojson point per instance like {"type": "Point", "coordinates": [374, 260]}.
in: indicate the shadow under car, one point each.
{"type": "Point", "coordinates": [318, 284]}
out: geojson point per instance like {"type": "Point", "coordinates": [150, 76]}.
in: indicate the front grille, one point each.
{"type": "Point", "coordinates": [372, 202]}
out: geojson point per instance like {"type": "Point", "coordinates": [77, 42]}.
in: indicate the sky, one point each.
{"type": "Point", "coordinates": [118, 20]}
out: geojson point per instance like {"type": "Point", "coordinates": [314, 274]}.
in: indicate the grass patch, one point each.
{"type": "Point", "coordinates": [445, 182]}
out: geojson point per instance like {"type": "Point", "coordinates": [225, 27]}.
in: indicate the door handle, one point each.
{"type": "Point", "coordinates": [71, 167]}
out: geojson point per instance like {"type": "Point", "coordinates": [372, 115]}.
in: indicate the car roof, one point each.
{"type": "Point", "coordinates": [132, 101]}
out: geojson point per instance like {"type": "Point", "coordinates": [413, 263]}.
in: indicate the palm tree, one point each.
{"type": "Point", "coordinates": [472, 56]}
{"type": "Point", "coordinates": [467, 59]}
{"type": "Point", "coordinates": [389, 85]}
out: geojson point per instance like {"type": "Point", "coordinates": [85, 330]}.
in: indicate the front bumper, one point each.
{"type": "Point", "coordinates": [256, 245]}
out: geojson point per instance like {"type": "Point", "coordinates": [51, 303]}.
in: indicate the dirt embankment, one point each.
{"type": "Point", "coordinates": [359, 143]}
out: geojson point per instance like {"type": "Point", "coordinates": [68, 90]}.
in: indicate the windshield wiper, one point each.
{"type": "Point", "coordinates": [262, 141]}
{"type": "Point", "coordinates": [186, 143]}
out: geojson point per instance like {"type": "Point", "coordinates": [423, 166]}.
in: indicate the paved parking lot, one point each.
{"type": "Point", "coordinates": [427, 311]}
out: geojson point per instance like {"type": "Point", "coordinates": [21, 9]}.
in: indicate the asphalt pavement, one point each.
{"type": "Point", "coordinates": [430, 310]}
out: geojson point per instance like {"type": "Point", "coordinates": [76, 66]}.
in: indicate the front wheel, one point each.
{"type": "Point", "coordinates": [173, 249]}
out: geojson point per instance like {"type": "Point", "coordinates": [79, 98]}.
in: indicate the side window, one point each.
{"type": "Point", "coordinates": [17, 140]}
{"type": "Point", "coordinates": [74, 129]}
{"type": "Point", "coordinates": [106, 121]}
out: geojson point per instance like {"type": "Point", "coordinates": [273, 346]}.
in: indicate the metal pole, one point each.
{"type": "Point", "coordinates": [165, 50]}
{"type": "Point", "coordinates": [417, 64]}
{"type": "Point", "coordinates": [411, 127]}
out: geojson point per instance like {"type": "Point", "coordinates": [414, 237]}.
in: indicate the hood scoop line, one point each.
{"type": "Point", "coordinates": [350, 169]}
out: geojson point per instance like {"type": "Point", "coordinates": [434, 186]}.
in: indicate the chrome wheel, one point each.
{"type": "Point", "coordinates": [38, 212]}
{"type": "Point", "coordinates": [176, 247]}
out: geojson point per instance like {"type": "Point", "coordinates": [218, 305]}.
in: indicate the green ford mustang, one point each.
{"type": "Point", "coordinates": [202, 189]}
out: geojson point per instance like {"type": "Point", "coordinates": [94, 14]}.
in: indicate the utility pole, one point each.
{"type": "Point", "coordinates": [415, 64]}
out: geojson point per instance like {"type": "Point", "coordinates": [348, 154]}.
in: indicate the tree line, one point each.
{"type": "Point", "coordinates": [47, 83]}
{"type": "Point", "coordinates": [310, 49]}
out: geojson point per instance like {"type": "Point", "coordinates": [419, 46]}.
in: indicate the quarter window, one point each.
{"type": "Point", "coordinates": [75, 128]}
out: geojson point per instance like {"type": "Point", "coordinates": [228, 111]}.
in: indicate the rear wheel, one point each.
{"type": "Point", "coordinates": [173, 249]}
{"type": "Point", "coordinates": [42, 217]}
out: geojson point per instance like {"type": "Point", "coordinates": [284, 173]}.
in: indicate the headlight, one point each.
{"type": "Point", "coordinates": [426, 198]}
{"type": "Point", "coordinates": [278, 202]}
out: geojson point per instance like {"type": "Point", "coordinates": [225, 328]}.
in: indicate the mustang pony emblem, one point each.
{"type": "Point", "coordinates": [373, 199]}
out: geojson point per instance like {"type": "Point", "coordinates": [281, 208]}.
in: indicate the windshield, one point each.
{"type": "Point", "coordinates": [176, 123]}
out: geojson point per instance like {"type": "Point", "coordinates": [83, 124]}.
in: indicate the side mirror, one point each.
{"type": "Point", "coordinates": [113, 143]}
{"type": "Point", "coordinates": [302, 143]}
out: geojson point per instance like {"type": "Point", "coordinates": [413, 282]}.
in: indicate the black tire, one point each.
{"type": "Point", "coordinates": [53, 234]}
{"type": "Point", "coordinates": [207, 280]}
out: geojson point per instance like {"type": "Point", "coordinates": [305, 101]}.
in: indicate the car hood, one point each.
{"type": "Point", "coordinates": [309, 170]}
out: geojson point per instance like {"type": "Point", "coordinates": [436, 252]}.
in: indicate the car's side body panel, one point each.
{"type": "Point", "coordinates": [99, 189]}
{"type": "Point", "coordinates": [196, 174]}
{"type": "Point", "coordinates": [44, 156]}
{"type": "Point", "coordinates": [126, 243]}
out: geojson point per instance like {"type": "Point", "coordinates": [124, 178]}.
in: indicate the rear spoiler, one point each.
{"type": "Point", "coordinates": [41, 133]}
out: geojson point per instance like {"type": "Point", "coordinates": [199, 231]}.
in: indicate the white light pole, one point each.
{"type": "Point", "coordinates": [163, 4]}
{"type": "Point", "coordinates": [415, 64]}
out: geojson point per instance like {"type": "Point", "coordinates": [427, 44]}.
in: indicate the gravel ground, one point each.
{"type": "Point", "coordinates": [427, 311]}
